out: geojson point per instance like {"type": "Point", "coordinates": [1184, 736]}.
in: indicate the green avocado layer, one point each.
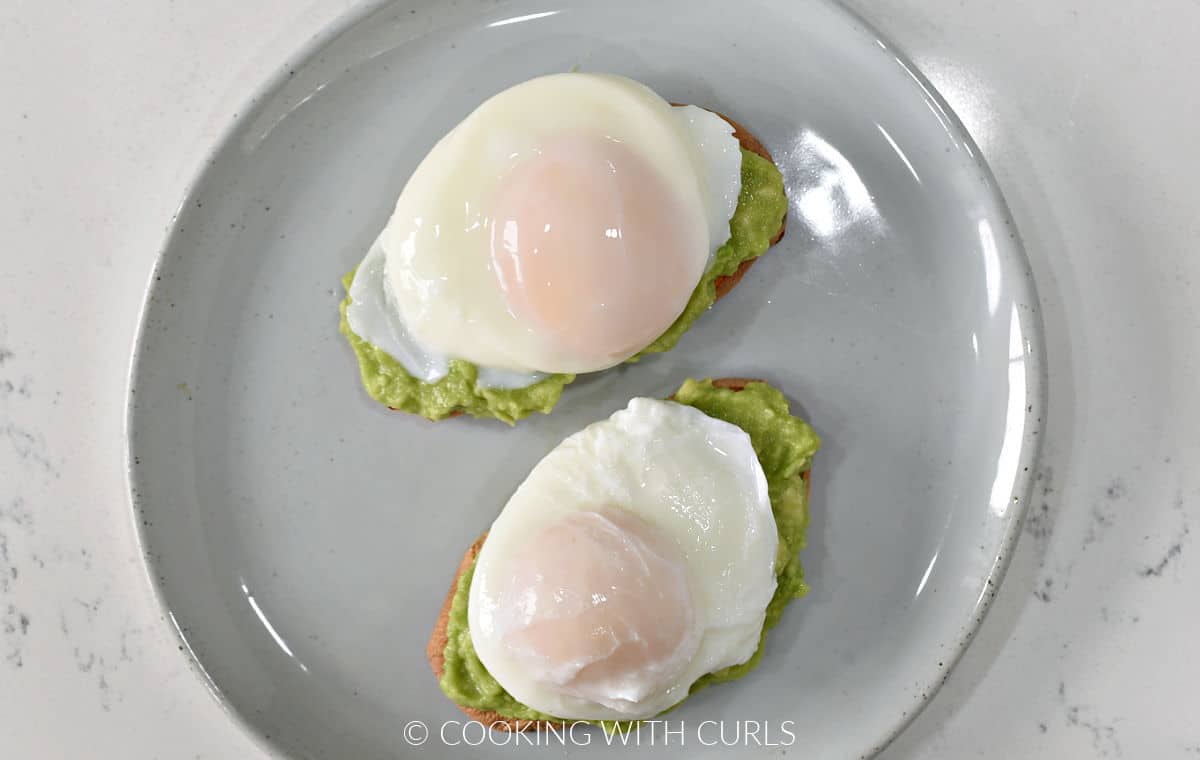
{"type": "Point", "coordinates": [388, 382]}
{"type": "Point", "coordinates": [760, 211]}
{"type": "Point", "coordinates": [784, 445]}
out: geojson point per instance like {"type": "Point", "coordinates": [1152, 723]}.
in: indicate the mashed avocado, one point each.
{"type": "Point", "coordinates": [784, 445]}
{"type": "Point", "coordinates": [760, 211]}
{"type": "Point", "coordinates": [388, 382]}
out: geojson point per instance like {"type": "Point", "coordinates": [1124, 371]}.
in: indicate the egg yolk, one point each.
{"type": "Point", "coordinates": [599, 607]}
{"type": "Point", "coordinates": [592, 247]}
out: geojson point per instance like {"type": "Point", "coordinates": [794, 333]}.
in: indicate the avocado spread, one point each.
{"type": "Point", "coordinates": [760, 211]}
{"type": "Point", "coordinates": [784, 445]}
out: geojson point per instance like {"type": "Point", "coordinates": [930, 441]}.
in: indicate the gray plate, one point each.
{"type": "Point", "coordinates": [302, 537]}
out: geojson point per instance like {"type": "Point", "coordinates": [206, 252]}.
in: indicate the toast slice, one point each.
{"type": "Point", "coordinates": [435, 650]}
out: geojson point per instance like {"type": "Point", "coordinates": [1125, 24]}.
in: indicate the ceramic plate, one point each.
{"type": "Point", "coordinates": [302, 537]}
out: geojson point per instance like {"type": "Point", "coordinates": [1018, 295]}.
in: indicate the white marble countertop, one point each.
{"type": "Point", "coordinates": [1087, 112]}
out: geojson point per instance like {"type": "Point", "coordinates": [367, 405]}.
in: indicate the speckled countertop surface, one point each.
{"type": "Point", "coordinates": [1087, 114]}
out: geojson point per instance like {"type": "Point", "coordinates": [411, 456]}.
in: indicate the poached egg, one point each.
{"type": "Point", "coordinates": [560, 227]}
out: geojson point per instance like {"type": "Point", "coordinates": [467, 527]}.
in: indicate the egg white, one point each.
{"type": "Point", "coordinates": [693, 477]}
{"type": "Point", "coordinates": [373, 316]}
